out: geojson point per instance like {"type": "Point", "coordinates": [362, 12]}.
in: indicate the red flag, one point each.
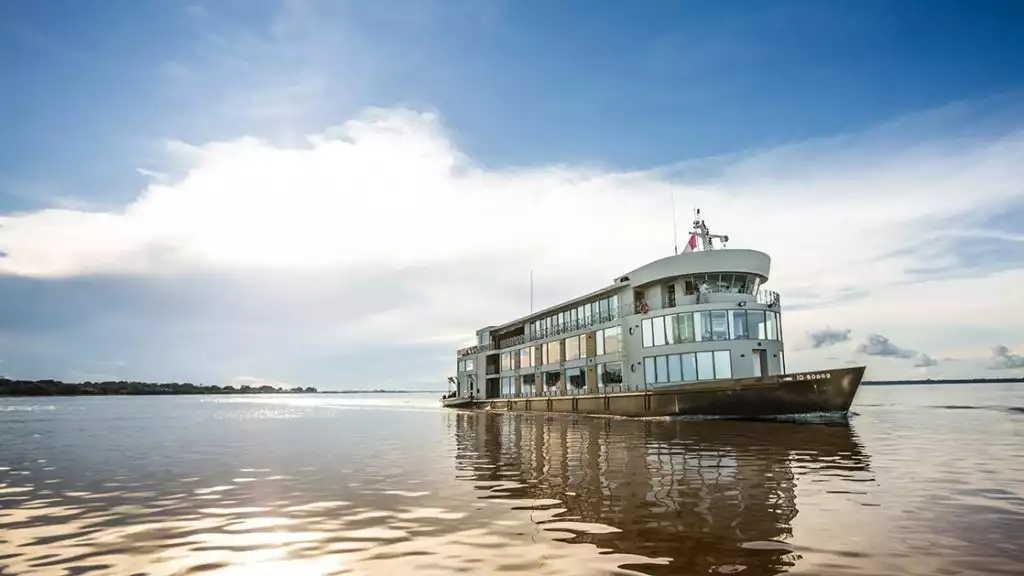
{"type": "Point", "coordinates": [692, 244]}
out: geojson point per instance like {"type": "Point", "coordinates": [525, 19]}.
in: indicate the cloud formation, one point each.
{"type": "Point", "coordinates": [828, 337]}
{"type": "Point", "coordinates": [1003, 359]}
{"type": "Point", "coordinates": [878, 345]}
{"type": "Point", "coordinates": [381, 232]}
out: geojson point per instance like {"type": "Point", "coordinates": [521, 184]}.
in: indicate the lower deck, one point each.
{"type": "Point", "coordinates": [830, 391]}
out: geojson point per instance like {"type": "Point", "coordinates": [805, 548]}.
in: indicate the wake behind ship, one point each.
{"type": "Point", "coordinates": [691, 334]}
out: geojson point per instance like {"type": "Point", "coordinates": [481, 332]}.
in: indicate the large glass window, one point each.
{"type": "Point", "coordinates": [684, 327]}
{"type": "Point", "coordinates": [702, 326]}
{"type": "Point", "coordinates": [705, 365]}
{"type": "Point", "coordinates": [613, 306]}
{"type": "Point", "coordinates": [647, 330]}
{"type": "Point", "coordinates": [650, 376]}
{"type": "Point", "coordinates": [572, 348]}
{"type": "Point", "coordinates": [689, 367]}
{"type": "Point", "coordinates": [661, 366]}
{"type": "Point", "coordinates": [738, 320]}
{"type": "Point", "coordinates": [723, 364]}
{"type": "Point", "coordinates": [470, 365]}
{"type": "Point", "coordinates": [506, 361]}
{"type": "Point", "coordinates": [576, 380]}
{"type": "Point", "coordinates": [526, 388]}
{"type": "Point", "coordinates": [771, 326]}
{"type": "Point", "coordinates": [675, 368]}
{"type": "Point", "coordinates": [609, 376]}
{"type": "Point", "coordinates": [719, 325]}
{"type": "Point", "coordinates": [551, 381]}
{"type": "Point", "coordinates": [609, 340]}
{"type": "Point", "coordinates": [554, 352]}
{"type": "Point", "coordinates": [659, 330]}
{"type": "Point", "coordinates": [508, 387]}
{"type": "Point", "coordinates": [526, 357]}
{"type": "Point", "coordinates": [755, 324]}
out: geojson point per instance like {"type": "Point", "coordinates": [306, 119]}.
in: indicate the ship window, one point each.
{"type": "Point", "coordinates": [771, 326]}
{"type": "Point", "coordinates": [670, 295]}
{"type": "Point", "coordinates": [661, 365]}
{"type": "Point", "coordinates": [705, 366]}
{"type": "Point", "coordinates": [648, 333]}
{"type": "Point", "coordinates": [719, 325]}
{"type": "Point", "coordinates": [609, 375]}
{"type": "Point", "coordinates": [525, 361]}
{"type": "Point", "coordinates": [576, 382]}
{"type": "Point", "coordinates": [528, 388]}
{"type": "Point", "coordinates": [649, 374]}
{"type": "Point", "coordinates": [723, 364]}
{"type": "Point", "coordinates": [671, 330]}
{"type": "Point", "coordinates": [738, 320]}
{"type": "Point", "coordinates": [613, 303]}
{"type": "Point", "coordinates": [469, 365]}
{"type": "Point", "coordinates": [659, 331]}
{"type": "Point", "coordinates": [599, 343]}
{"type": "Point", "coordinates": [554, 352]}
{"type": "Point", "coordinates": [551, 380]}
{"type": "Point", "coordinates": [675, 368]}
{"type": "Point", "coordinates": [702, 326]}
{"type": "Point", "coordinates": [603, 309]}
{"type": "Point", "coordinates": [684, 328]}
{"type": "Point", "coordinates": [610, 340]}
{"type": "Point", "coordinates": [572, 348]}
{"type": "Point", "coordinates": [755, 324]}
{"type": "Point", "coordinates": [689, 367]}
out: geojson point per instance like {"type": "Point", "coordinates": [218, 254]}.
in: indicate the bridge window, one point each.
{"type": "Point", "coordinates": [719, 325]}
{"type": "Point", "coordinates": [710, 325]}
{"type": "Point", "coordinates": [755, 324]}
{"type": "Point", "coordinates": [470, 365]}
{"type": "Point", "coordinates": [738, 320]}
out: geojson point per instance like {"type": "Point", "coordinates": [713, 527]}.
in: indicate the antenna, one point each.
{"type": "Point", "coordinates": [675, 234]}
{"type": "Point", "coordinates": [531, 291]}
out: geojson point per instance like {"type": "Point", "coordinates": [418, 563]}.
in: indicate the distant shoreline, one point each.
{"type": "Point", "coordinates": [130, 388]}
{"type": "Point", "coordinates": [943, 381]}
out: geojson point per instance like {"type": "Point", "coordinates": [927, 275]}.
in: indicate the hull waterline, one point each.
{"type": "Point", "coordinates": [803, 393]}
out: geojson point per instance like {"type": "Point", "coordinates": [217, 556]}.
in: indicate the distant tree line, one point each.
{"type": "Point", "coordinates": [1010, 380]}
{"type": "Point", "coordinates": [126, 388]}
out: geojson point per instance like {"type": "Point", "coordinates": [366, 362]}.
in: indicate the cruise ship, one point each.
{"type": "Point", "coordinates": [692, 334]}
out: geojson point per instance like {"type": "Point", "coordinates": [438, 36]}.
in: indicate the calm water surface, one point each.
{"type": "Point", "coordinates": [924, 480]}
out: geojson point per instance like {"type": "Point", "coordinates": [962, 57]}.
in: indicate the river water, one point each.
{"type": "Point", "coordinates": [923, 480]}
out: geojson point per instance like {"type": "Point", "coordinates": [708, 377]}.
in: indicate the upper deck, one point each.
{"type": "Point", "coordinates": [691, 278]}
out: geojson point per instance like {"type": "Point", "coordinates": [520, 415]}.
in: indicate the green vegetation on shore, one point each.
{"type": "Point", "coordinates": [125, 388]}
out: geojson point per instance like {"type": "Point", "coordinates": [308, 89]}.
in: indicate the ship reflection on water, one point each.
{"type": "Point", "coordinates": [683, 497]}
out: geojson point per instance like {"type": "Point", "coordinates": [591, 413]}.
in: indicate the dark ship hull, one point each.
{"type": "Point", "coordinates": [802, 393]}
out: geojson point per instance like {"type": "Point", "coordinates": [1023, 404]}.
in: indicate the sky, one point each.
{"type": "Point", "coordinates": [339, 193]}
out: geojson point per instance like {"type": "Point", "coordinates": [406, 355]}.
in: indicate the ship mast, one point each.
{"type": "Point", "coordinates": [700, 230]}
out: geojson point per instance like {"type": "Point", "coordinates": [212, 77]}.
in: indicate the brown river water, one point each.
{"type": "Point", "coordinates": [922, 480]}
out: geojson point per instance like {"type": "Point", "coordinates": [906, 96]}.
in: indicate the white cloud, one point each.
{"type": "Point", "coordinates": [389, 190]}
